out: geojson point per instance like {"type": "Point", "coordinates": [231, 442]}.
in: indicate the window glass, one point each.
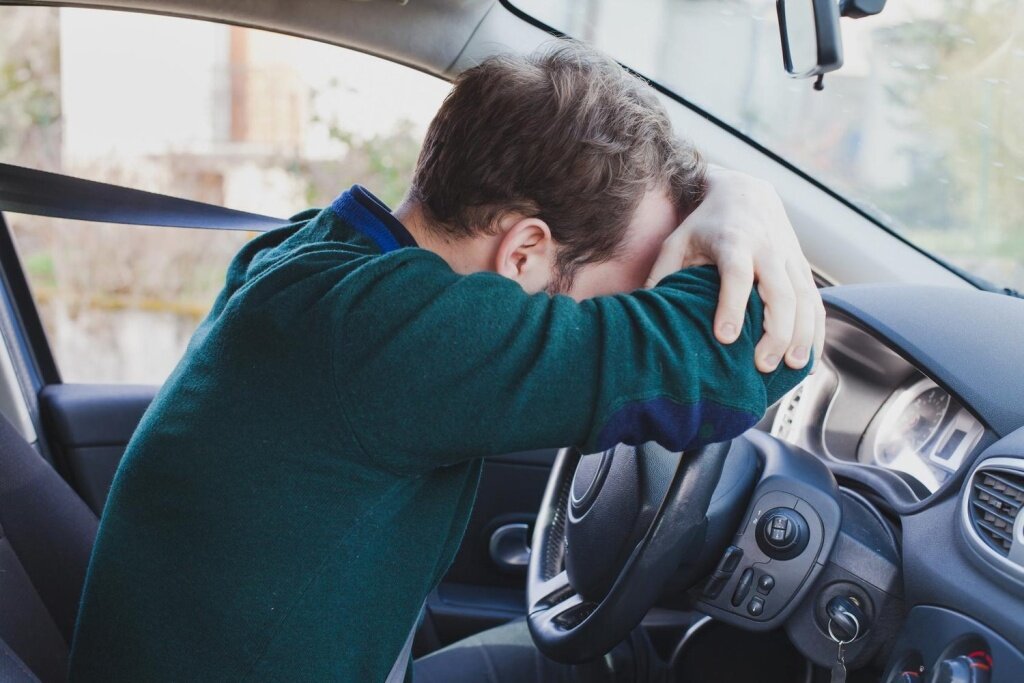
{"type": "Point", "coordinates": [119, 303]}
{"type": "Point", "coordinates": [921, 127]}
{"type": "Point", "coordinates": [232, 116]}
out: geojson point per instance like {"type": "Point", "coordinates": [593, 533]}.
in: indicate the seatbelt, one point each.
{"type": "Point", "coordinates": [401, 665]}
{"type": "Point", "coordinates": [41, 193]}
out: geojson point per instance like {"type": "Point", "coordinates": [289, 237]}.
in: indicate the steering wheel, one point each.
{"type": "Point", "coordinates": [612, 530]}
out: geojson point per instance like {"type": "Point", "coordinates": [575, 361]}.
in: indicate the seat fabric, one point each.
{"type": "Point", "coordinates": [46, 537]}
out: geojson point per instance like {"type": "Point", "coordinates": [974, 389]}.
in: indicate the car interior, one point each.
{"type": "Point", "coordinates": [874, 514]}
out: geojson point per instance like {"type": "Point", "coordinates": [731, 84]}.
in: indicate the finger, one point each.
{"type": "Point", "coordinates": [737, 273]}
{"type": "Point", "coordinates": [799, 351]}
{"type": "Point", "coordinates": [670, 258]}
{"type": "Point", "coordinates": [779, 313]}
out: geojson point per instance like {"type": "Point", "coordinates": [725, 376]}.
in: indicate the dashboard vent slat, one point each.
{"type": "Point", "coordinates": [997, 497]}
{"type": "Point", "coordinates": [987, 510]}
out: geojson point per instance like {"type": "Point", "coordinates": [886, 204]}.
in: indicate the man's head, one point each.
{"type": "Point", "coordinates": [558, 170]}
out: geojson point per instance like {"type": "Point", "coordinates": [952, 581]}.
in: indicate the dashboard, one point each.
{"type": "Point", "coordinates": [916, 409]}
{"type": "Point", "coordinates": [866, 404]}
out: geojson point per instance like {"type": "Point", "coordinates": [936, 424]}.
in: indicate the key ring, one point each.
{"type": "Point", "coordinates": [856, 631]}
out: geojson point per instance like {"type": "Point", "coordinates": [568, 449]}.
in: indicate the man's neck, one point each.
{"type": "Point", "coordinates": [468, 255]}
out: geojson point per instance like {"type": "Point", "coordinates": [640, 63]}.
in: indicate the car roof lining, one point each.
{"type": "Point", "coordinates": [429, 35]}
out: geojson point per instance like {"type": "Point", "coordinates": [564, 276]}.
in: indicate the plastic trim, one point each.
{"type": "Point", "coordinates": [39, 357]}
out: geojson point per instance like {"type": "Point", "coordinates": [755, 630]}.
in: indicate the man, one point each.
{"type": "Point", "coordinates": [305, 475]}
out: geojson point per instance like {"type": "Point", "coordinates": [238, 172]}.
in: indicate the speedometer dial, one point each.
{"type": "Point", "coordinates": [914, 424]}
{"type": "Point", "coordinates": [921, 431]}
{"type": "Point", "coordinates": [905, 431]}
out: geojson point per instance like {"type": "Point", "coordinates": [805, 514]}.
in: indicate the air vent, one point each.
{"type": "Point", "coordinates": [997, 496]}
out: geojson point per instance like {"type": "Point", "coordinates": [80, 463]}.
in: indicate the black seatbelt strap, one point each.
{"type": "Point", "coordinates": [41, 193]}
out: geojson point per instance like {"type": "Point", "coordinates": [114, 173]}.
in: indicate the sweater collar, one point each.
{"type": "Point", "coordinates": [370, 216]}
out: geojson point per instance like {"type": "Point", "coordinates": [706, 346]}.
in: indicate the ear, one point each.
{"type": "Point", "coordinates": [526, 254]}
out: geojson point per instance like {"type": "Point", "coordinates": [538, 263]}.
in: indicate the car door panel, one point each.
{"type": "Point", "coordinates": [479, 592]}
{"type": "Point", "coordinates": [88, 428]}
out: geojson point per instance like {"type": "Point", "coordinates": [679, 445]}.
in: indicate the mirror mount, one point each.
{"type": "Point", "coordinates": [858, 9]}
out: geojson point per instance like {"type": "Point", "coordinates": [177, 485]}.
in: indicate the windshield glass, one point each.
{"type": "Point", "coordinates": [923, 127]}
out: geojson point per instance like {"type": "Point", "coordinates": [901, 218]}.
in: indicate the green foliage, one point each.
{"type": "Point", "coordinates": [968, 107]}
{"type": "Point", "coordinates": [40, 269]}
{"type": "Point", "coordinates": [384, 162]}
{"type": "Point", "coordinates": [30, 85]}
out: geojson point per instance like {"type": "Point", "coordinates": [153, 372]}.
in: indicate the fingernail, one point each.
{"type": "Point", "coordinates": [727, 331]}
{"type": "Point", "coordinates": [771, 361]}
{"type": "Point", "coordinates": [800, 353]}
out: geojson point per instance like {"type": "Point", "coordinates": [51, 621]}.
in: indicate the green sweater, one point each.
{"type": "Point", "coordinates": [305, 476]}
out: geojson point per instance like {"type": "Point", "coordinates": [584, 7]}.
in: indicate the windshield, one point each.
{"type": "Point", "coordinates": [922, 128]}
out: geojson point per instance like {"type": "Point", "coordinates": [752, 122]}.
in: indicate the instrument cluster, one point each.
{"type": "Point", "coordinates": [867, 404]}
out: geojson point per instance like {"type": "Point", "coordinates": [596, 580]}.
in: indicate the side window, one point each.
{"type": "Point", "coordinates": [244, 118]}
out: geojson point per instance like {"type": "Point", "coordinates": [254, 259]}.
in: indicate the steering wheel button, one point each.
{"type": "Point", "coordinates": [765, 584]}
{"type": "Point", "coordinates": [743, 587]}
{"type": "Point", "coordinates": [755, 607]}
{"type": "Point", "coordinates": [730, 560]}
{"type": "Point", "coordinates": [715, 584]}
{"type": "Point", "coordinates": [782, 533]}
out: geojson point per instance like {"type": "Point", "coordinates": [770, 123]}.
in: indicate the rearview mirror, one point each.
{"type": "Point", "coordinates": [811, 43]}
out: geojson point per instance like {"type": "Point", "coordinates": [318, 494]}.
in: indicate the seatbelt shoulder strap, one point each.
{"type": "Point", "coordinates": [41, 193]}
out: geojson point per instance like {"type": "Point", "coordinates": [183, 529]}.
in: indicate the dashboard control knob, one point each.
{"type": "Point", "coordinates": [973, 668]}
{"type": "Point", "coordinates": [782, 533]}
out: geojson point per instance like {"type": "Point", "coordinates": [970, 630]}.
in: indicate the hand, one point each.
{"type": "Point", "coordinates": [741, 228]}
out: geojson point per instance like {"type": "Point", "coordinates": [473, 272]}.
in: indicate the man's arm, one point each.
{"type": "Point", "coordinates": [741, 227]}
{"type": "Point", "coordinates": [446, 368]}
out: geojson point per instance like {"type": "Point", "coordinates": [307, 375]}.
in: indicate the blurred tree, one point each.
{"type": "Point", "coordinates": [120, 302]}
{"type": "Point", "coordinates": [384, 163]}
{"type": "Point", "coordinates": [970, 105]}
{"type": "Point", "coordinates": [30, 86]}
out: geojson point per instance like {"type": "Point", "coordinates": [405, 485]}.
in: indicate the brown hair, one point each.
{"type": "Point", "coordinates": [566, 135]}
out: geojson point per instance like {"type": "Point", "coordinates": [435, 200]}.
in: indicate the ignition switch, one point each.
{"type": "Point", "coordinates": [846, 620]}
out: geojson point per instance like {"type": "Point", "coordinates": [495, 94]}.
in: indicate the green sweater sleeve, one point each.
{"type": "Point", "coordinates": [433, 368]}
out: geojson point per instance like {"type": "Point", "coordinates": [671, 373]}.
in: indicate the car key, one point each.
{"type": "Point", "coordinates": [839, 668]}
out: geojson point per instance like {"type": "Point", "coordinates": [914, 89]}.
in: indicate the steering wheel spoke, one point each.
{"type": "Point", "coordinates": [565, 614]}
{"type": "Point", "coordinates": [622, 522]}
{"type": "Point", "coordinates": [552, 592]}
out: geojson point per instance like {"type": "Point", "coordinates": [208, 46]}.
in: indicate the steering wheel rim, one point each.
{"type": "Point", "coordinates": [573, 626]}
